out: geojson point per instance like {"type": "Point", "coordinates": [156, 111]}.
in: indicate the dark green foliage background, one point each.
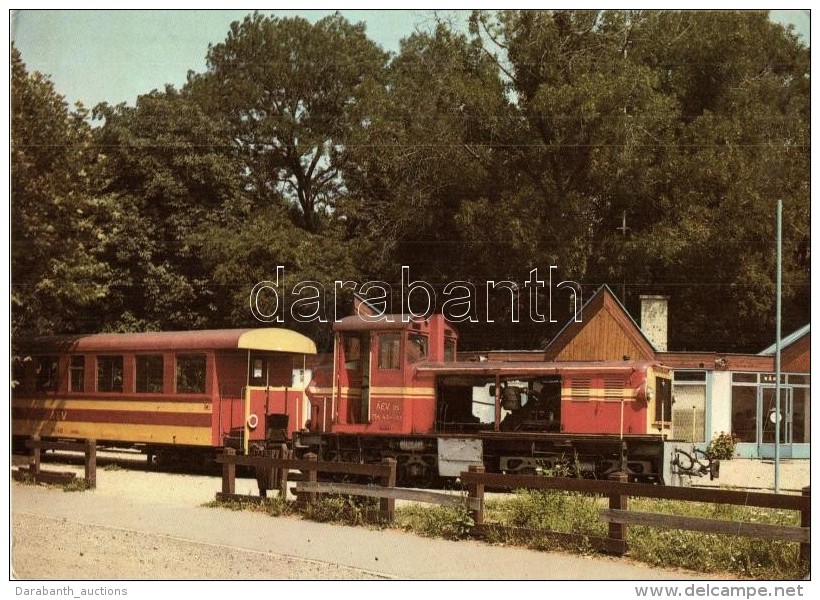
{"type": "Point", "coordinates": [467, 156]}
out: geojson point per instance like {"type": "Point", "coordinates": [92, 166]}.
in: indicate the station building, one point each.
{"type": "Point", "coordinates": [713, 392]}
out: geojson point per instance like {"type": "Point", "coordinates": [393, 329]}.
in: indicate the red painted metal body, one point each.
{"type": "Point", "coordinates": [188, 388]}
{"type": "Point", "coordinates": [395, 389]}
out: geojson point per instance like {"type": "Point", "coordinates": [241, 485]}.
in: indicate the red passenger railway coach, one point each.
{"type": "Point", "coordinates": [184, 391]}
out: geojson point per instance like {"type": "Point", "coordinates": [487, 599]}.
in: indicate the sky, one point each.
{"type": "Point", "coordinates": [114, 56]}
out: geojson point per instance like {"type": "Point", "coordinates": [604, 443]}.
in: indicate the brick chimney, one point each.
{"type": "Point", "coordinates": [654, 320]}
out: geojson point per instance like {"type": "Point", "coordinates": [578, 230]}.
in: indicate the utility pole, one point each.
{"type": "Point", "coordinates": [623, 229]}
{"type": "Point", "coordinates": [778, 417]}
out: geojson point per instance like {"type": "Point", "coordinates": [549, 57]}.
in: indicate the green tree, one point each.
{"type": "Point", "coordinates": [288, 91]}
{"type": "Point", "coordinates": [166, 170]}
{"type": "Point", "coordinates": [689, 124]}
{"type": "Point", "coordinates": [57, 276]}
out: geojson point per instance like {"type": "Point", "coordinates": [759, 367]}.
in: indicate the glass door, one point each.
{"type": "Point", "coordinates": [770, 421]}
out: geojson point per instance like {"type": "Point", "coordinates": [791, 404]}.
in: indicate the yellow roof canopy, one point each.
{"type": "Point", "coordinates": [276, 340]}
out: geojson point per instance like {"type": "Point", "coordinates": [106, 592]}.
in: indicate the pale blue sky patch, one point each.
{"type": "Point", "coordinates": [115, 55]}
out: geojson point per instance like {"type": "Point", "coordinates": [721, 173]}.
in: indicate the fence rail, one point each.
{"type": "Point", "coordinates": [34, 470]}
{"type": "Point", "coordinates": [617, 489]}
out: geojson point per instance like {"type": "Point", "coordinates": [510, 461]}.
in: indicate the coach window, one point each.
{"type": "Point", "coordinates": [150, 370]}
{"type": "Point", "coordinates": [46, 368]}
{"type": "Point", "coordinates": [389, 345]}
{"type": "Point", "coordinates": [191, 374]}
{"type": "Point", "coordinates": [109, 373]}
{"type": "Point", "coordinates": [258, 370]}
{"type": "Point", "coordinates": [77, 370]}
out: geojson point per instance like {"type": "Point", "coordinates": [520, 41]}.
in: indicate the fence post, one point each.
{"type": "Point", "coordinates": [229, 472]}
{"type": "Point", "coordinates": [805, 521]}
{"type": "Point", "coordinates": [617, 531]}
{"type": "Point", "coordinates": [312, 477]}
{"type": "Point", "coordinates": [476, 490]}
{"type": "Point", "coordinates": [34, 460]}
{"type": "Point", "coordinates": [91, 463]}
{"type": "Point", "coordinates": [387, 506]}
{"type": "Point", "coordinates": [283, 474]}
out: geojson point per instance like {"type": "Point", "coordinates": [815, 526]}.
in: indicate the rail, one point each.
{"type": "Point", "coordinates": [35, 472]}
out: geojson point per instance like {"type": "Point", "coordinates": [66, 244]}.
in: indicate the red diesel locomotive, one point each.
{"type": "Point", "coordinates": [394, 389]}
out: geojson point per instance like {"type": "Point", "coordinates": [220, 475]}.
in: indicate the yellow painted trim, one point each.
{"type": "Point", "coordinates": [138, 433]}
{"type": "Point", "coordinates": [276, 340]}
{"type": "Point", "coordinates": [125, 405]}
{"type": "Point", "coordinates": [599, 393]}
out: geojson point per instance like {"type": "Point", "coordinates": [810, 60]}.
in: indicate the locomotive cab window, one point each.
{"type": "Point", "coordinates": [150, 371]}
{"type": "Point", "coordinates": [417, 347]}
{"type": "Point", "coordinates": [77, 374]}
{"type": "Point", "coordinates": [389, 348]}
{"type": "Point", "coordinates": [352, 348]}
{"type": "Point", "coordinates": [449, 350]}
{"type": "Point", "coordinates": [109, 373]}
{"type": "Point", "coordinates": [190, 374]}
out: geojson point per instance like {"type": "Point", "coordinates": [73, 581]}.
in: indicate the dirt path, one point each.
{"type": "Point", "coordinates": [146, 525]}
{"type": "Point", "coordinates": [88, 551]}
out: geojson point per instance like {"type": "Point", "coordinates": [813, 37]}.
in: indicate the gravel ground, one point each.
{"type": "Point", "coordinates": [140, 524]}
{"type": "Point", "coordinates": [85, 551]}
{"type": "Point", "coordinates": [45, 547]}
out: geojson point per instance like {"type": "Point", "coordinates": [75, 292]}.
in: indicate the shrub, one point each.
{"type": "Point", "coordinates": [76, 485]}
{"type": "Point", "coordinates": [449, 522]}
{"type": "Point", "coordinates": [722, 446]}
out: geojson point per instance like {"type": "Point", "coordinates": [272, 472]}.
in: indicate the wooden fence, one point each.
{"type": "Point", "coordinates": [34, 470]}
{"type": "Point", "coordinates": [476, 481]}
{"type": "Point", "coordinates": [308, 487]}
{"type": "Point", "coordinates": [620, 517]}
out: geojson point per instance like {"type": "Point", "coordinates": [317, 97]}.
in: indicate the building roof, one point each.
{"type": "Point", "coordinates": [603, 300]}
{"type": "Point", "coordinates": [788, 340]}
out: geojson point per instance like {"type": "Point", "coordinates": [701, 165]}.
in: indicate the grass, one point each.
{"type": "Point", "coordinates": [78, 484]}
{"type": "Point", "coordinates": [746, 557]}
{"type": "Point", "coordinates": [528, 518]}
{"type": "Point", "coordinates": [449, 522]}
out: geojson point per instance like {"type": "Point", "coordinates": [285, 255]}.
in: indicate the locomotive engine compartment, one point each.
{"type": "Point", "coordinates": [468, 404]}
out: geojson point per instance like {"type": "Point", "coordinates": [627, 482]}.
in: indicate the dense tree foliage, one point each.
{"type": "Point", "coordinates": [57, 275]}
{"type": "Point", "coordinates": [641, 149]}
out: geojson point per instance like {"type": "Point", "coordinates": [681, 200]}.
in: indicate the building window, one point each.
{"type": "Point", "coordinates": [109, 373]}
{"type": "Point", "coordinates": [46, 369]}
{"type": "Point", "coordinates": [191, 374]}
{"type": "Point", "coordinates": [801, 429]}
{"type": "Point", "coordinates": [389, 346]}
{"type": "Point", "coordinates": [150, 372]}
{"type": "Point", "coordinates": [77, 370]}
{"type": "Point", "coordinates": [744, 412]}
